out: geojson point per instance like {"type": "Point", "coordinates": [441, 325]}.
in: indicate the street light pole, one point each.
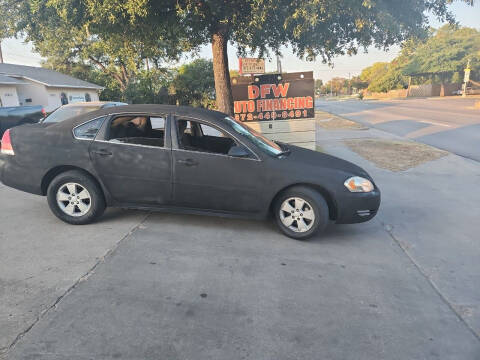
{"type": "Point", "coordinates": [466, 79]}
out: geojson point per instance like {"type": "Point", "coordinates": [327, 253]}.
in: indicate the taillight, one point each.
{"type": "Point", "coordinates": [7, 148]}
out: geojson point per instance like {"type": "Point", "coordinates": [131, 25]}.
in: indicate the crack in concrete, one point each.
{"type": "Point", "coordinates": [389, 230]}
{"type": "Point", "coordinates": [5, 350]}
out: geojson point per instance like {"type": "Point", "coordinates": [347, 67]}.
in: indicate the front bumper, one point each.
{"type": "Point", "coordinates": [357, 207]}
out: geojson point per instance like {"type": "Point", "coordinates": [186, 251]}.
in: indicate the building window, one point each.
{"type": "Point", "coordinates": [63, 98]}
{"type": "Point", "coordinates": [87, 97]}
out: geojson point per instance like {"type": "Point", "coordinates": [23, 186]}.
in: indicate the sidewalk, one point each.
{"type": "Point", "coordinates": [431, 210]}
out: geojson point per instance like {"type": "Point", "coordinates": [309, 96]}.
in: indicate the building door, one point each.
{"type": "Point", "coordinates": [8, 97]}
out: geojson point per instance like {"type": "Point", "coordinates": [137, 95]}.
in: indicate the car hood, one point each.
{"type": "Point", "coordinates": [300, 156]}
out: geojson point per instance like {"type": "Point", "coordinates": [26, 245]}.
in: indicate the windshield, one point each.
{"type": "Point", "coordinates": [261, 141]}
{"type": "Point", "coordinates": [66, 112]}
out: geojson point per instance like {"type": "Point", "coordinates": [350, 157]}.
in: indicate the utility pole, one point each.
{"type": "Point", "coordinates": [279, 65]}
{"type": "Point", "coordinates": [466, 79]}
{"type": "Point", "coordinates": [349, 83]}
{"type": "Point", "coordinates": [1, 55]}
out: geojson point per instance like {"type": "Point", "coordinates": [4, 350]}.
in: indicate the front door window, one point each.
{"type": "Point", "coordinates": [197, 136]}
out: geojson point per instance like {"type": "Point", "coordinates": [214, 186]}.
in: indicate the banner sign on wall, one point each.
{"type": "Point", "coordinates": [251, 66]}
{"type": "Point", "coordinates": [274, 97]}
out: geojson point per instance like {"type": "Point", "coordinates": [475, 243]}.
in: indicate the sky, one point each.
{"type": "Point", "coordinates": [15, 51]}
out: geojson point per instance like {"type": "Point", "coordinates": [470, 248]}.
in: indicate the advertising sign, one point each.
{"type": "Point", "coordinates": [251, 66]}
{"type": "Point", "coordinates": [274, 97]}
{"type": "Point", "coordinates": [76, 98]}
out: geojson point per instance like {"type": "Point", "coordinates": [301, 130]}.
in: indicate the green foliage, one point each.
{"type": "Point", "coordinates": [318, 86]}
{"type": "Point", "coordinates": [374, 72]}
{"type": "Point", "coordinates": [314, 29]}
{"type": "Point", "coordinates": [150, 87]}
{"type": "Point", "coordinates": [194, 84]}
{"type": "Point", "coordinates": [73, 32]}
{"type": "Point", "coordinates": [117, 36]}
{"type": "Point", "coordinates": [357, 83]}
{"type": "Point", "coordinates": [448, 50]}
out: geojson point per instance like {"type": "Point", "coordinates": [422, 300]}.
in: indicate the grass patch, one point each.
{"type": "Point", "coordinates": [394, 155]}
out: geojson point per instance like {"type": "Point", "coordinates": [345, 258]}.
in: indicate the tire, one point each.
{"type": "Point", "coordinates": [303, 224]}
{"type": "Point", "coordinates": [86, 206]}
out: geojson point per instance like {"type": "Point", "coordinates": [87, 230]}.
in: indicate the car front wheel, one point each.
{"type": "Point", "coordinates": [75, 198]}
{"type": "Point", "coordinates": [301, 212]}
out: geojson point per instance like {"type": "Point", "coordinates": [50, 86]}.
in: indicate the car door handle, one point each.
{"type": "Point", "coordinates": [103, 152]}
{"type": "Point", "coordinates": [188, 162]}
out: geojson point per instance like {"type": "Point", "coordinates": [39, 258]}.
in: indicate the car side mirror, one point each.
{"type": "Point", "coordinates": [238, 151]}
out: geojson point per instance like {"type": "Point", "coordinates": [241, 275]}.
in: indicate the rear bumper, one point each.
{"type": "Point", "coordinates": [358, 207]}
{"type": "Point", "coordinates": [18, 177]}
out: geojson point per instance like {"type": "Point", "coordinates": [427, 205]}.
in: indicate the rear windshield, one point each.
{"type": "Point", "coordinates": [67, 112]}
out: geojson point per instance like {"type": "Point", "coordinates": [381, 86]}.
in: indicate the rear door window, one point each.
{"type": "Point", "coordinates": [138, 130]}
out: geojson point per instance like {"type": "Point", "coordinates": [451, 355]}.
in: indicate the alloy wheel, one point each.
{"type": "Point", "coordinates": [74, 199]}
{"type": "Point", "coordinates": [297, 214]}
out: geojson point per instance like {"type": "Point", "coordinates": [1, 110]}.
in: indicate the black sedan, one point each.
{"type": "Point", "coordinates": [185, 160]}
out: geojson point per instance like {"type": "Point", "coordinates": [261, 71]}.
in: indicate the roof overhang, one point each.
{"type": "Point", "coordinates": [51, 85]}
{"type": "Point", "coordinates": [74, 87]}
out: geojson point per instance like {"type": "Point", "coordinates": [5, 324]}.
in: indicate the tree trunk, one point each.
{"type": "Point", "coordinates": [221, 72]}
{"type": "Point", "coordinates": [1, 55]}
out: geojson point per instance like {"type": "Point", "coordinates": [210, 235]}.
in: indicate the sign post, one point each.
{"type": "Point", "coordinates": [466, 79]}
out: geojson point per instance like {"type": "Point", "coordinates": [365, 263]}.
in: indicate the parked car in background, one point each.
{"type": "Point", "coordinates": [71, 110]}
{"type": "Point", "coordinates": [19, 115]}
{"type": "Point", "coordinates": [185, 160]}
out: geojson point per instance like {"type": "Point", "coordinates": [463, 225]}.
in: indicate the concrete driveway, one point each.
{"type": "Point", "coordinates": [159, 286]}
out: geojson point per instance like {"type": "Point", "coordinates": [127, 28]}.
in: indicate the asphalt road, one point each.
{"type": "Point", "coordinates": [159, 286]}
{"type": "Point", "coordinates": [451, 124]}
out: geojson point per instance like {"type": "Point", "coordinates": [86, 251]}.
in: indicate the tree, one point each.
{"type": "Point", "coordinates": [322, 28]}
{"type": "Point", "coordinates": [313, 29]}
{"type": "Point", "coordinates": [449, 49]}
{"type": "Point", "coordinates": [70, 34]}
{"type": "Point", "coordinates": [194, 84]}
{"type": "Point", "coordinates": [374, 72]}
{"type": "Point", "coordinates": [336, 85]}
{"type": "Point", "coordinates": [357, 83]}
{"type": "Point", "coordinates": [318, 86]}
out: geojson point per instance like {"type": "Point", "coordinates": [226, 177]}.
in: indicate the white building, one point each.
{"type": "Point", "coordinates": [26, 85]}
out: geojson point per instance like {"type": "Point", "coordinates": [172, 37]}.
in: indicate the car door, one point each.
{"type": "Point", "coordinates": [137, 167]}
{"type": "Point", "coordinates": [211, 180]}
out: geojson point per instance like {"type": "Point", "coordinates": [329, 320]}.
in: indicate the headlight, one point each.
{"type": "Point", "coordinates": [358, 184]}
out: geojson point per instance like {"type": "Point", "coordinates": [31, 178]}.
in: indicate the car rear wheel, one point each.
{"type": "Point", "coordinates": [75, 198]}
{"type": "Point", "coordinates": [301, 212]}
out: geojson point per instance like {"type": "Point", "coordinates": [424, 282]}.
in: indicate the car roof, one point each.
{"type": "Point", "coordinates": [186, 111]}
